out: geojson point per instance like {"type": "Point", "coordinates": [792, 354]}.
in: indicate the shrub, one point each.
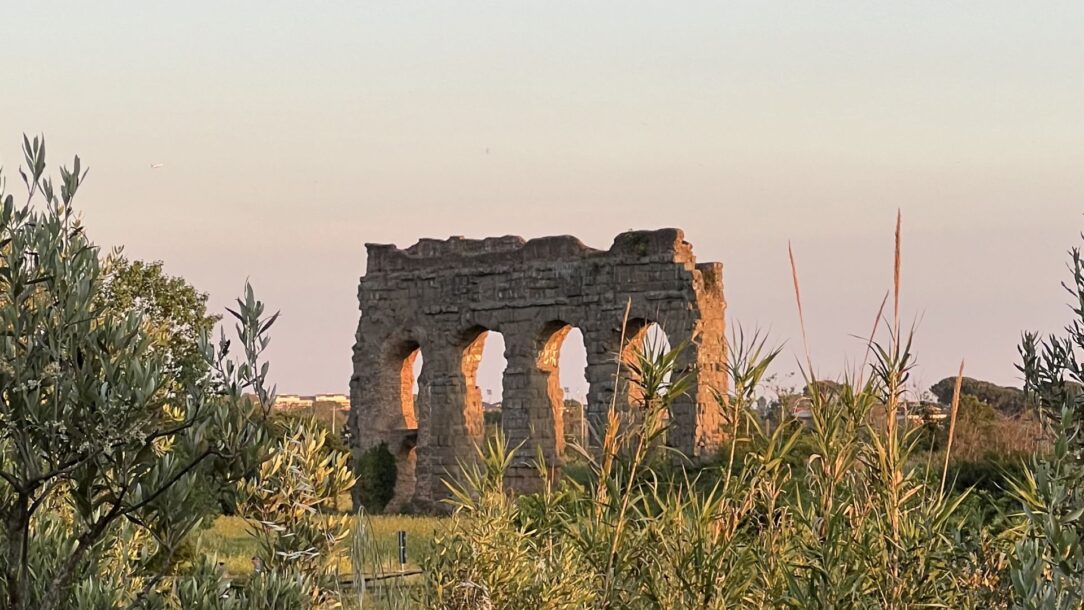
{"type": "Point", "coordinates": [1048, 567]}
{"type": "Point", "coordinates": [985, 433]}
{"type": "Point", "coordinates": [289, 504]}
{"type": "Point", "coordinates": [992, 475]}
{"type": "Point", "coordinates": [377, 474]}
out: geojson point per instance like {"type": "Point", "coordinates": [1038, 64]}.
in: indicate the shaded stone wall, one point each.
{"type": "Point", "coordinates": [441, 297]}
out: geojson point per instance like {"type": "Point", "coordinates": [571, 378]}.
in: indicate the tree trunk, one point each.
{"type": "Point", "coordinates": [18, 526]}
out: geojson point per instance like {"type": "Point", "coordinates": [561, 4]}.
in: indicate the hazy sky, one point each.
{"type": "Point", "coordinates": [291, 133]}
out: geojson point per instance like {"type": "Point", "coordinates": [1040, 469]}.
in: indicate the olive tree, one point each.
{"type": "Point", "coordinates": [290, 505]}
{"type": "Point", "coordinates": [89, 437]}
{"type": "Point", "coordinates": [1048, 569]}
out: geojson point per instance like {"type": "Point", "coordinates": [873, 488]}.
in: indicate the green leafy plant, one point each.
{"type": "Point", "coordinates": [100, 451]}
{"type": "Point", "coordinates": [1048, 567]}
{"type": "Point", "coordinates": [173, 314]}
{"type": "Point", "coordinates": [376, 478]}
{"type": "Point", "coordinates": [291, 500]}
{"type": "Point", "coordinates": [290, 503]}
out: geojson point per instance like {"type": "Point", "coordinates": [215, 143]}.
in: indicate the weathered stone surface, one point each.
{"type": "Point", "coordinates": [442, 296]}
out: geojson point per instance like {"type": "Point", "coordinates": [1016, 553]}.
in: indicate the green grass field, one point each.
{"type": "Point", "coordinates": [230, 541]}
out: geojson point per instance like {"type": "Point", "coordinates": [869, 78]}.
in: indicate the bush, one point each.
{"type": "Point", "coordinates": [992, 475]}
{"type": "Point", "coordinates": [288, 505]}
{"type": "Point", "coordinates": [377, 474]}
{"type": "Point", "coordinates": [1048, 567]}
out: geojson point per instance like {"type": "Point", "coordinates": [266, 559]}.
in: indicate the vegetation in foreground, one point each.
{"type": "Point", "coordinates": [869, 516]}
{"type": "Point", "coordinates": [125, 433]}
{"type": "Point", "coordinates": [124, 430]}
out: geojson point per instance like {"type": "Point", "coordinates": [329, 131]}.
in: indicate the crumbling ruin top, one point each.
{"type": "Point", "coordinates": [644, 246]}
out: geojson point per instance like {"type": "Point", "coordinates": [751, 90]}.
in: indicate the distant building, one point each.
{"type": "Point", "coordinates": [337, 401]}
{"type": "Point", "coordinates": [915, 413]}
{"type": "Point", "coordinates": [289, 402]}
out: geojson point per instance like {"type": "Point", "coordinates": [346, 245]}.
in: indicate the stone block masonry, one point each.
{"type": "Point", "coordinates": [440, 298]}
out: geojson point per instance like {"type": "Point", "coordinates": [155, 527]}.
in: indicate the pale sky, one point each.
{"type": "Point", "coordinates": [292, 133]}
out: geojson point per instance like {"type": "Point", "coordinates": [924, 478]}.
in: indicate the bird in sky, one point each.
{"type": "Point", "coordinates": [157, 165]}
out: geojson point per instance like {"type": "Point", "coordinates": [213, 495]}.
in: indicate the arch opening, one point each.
{"type": "Point", "coordinates": [562, 359]}
{"type": "Point", "coordinates": [409, 375]}
{"type": "Point", "coordinates": [656, 345]}
{"type": "Point", "coordinates": [571, 373]}
{"type": "Point", "coordinates": [406, 361]}
{"type": "Point", "coordinates": [483, 365]}
{"type": "Point", "coordinates": [646, 343]}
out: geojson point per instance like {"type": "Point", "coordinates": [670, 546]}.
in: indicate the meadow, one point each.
{"type": "Point", "coordinates": [230, 540]}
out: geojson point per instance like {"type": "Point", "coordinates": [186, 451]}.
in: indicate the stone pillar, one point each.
{"type": "Point", "coordinates": [532, 406]}
{"type": "Point", "coordinates": [603, 344]}
{"type": "Point", "coordinates": [406, 468]}
{"type": "Point", "coordinates": [450, 405]}
{"type": "Point", "coordinates": [697, 424]}
{"type": "Point", "coordinates": [708, 329]}
{"type": "Point", "coordinates": [384, 410]}
{"type": "Point", "coordinates": [695, 417]}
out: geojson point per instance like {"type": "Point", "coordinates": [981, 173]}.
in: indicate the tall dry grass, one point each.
{"type": "Point", "coordinates": [853, 525]}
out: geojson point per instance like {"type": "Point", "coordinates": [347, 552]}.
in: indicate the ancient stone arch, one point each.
{"type": "Point", "coordinates": [441, 297]}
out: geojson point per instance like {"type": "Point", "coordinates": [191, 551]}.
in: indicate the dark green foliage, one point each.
{"type": "Point", "coordinates": [376, 478]}
{"type": "Point", "coordinates": [1005, 399]}
{"type": "Point", "coordinates": [746, 447]}
{"type": "Point", "coordinates": [172, 311]}
{"type": "Point", "coordinates": [576, 472]}
{"type": "Point", "coordinates": [1048, 569]}
{"type": "Point", "coordinates": [990, 474]}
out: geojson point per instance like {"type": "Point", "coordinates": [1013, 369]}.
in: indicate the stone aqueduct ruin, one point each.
{"type": "Point", "coordinates": [441, 297]}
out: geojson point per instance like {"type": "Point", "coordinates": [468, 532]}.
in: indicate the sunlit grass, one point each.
{"type": "Point", "coordinates": [230, 541]}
